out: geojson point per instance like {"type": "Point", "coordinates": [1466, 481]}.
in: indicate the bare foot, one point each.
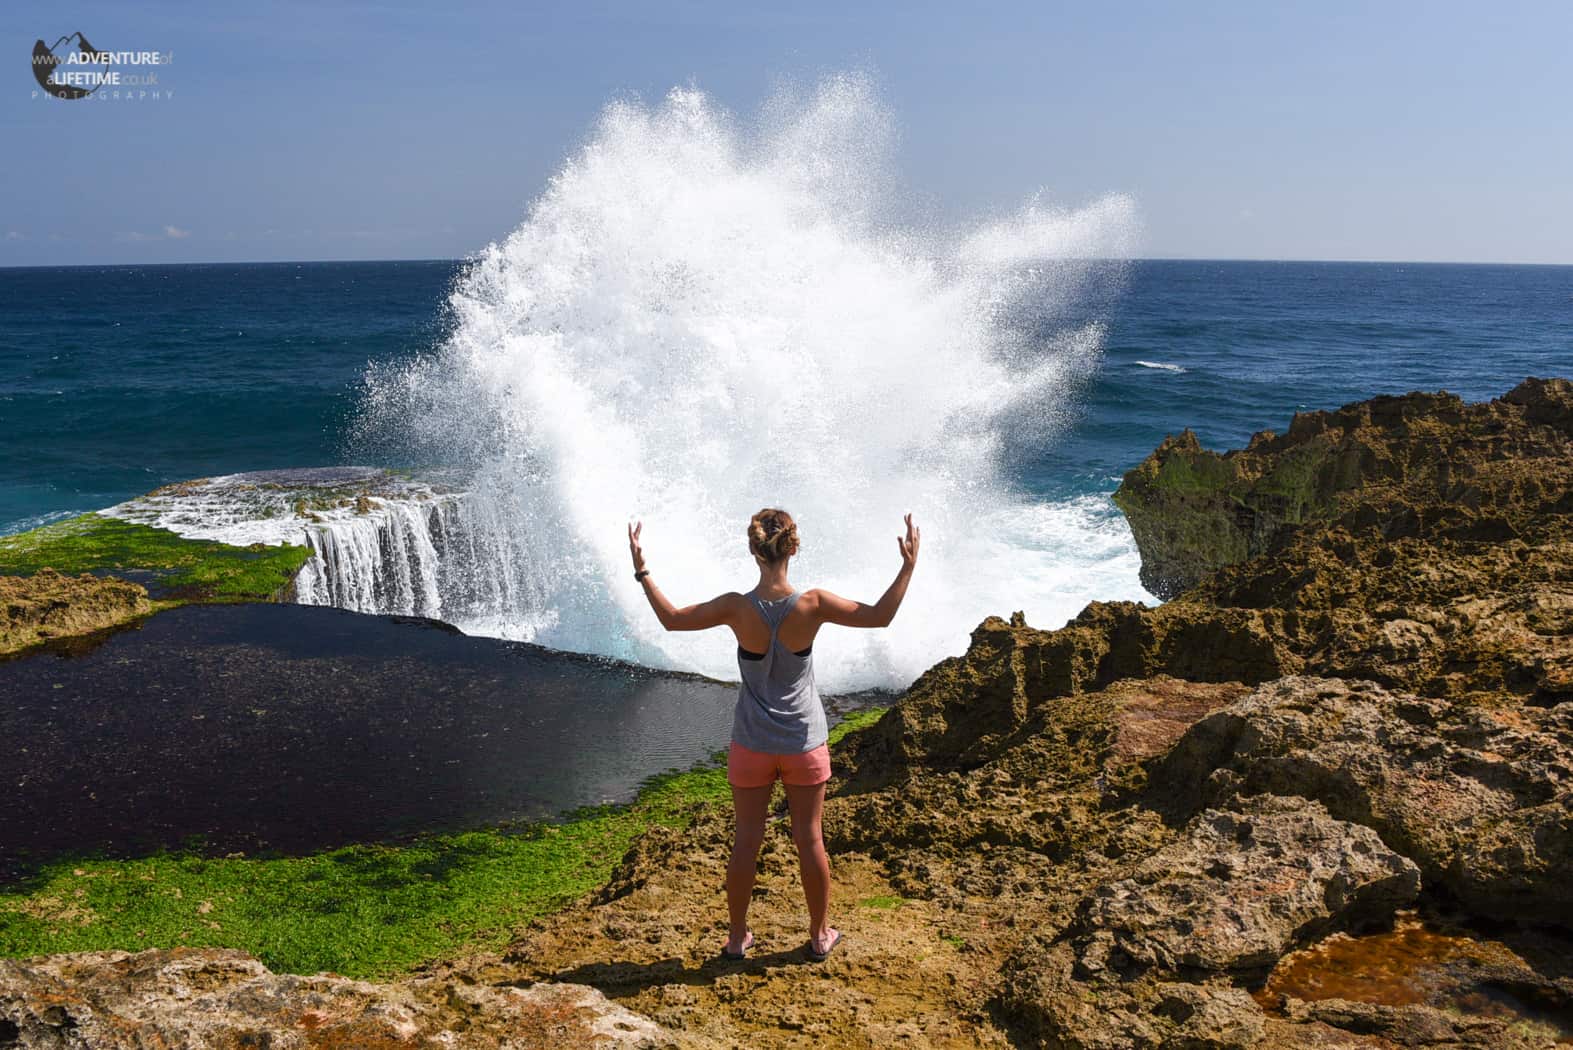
{"type": "Point", "coordinates": [735, 949]}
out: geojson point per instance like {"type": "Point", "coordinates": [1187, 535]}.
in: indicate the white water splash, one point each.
{"type": "Point", "coordinates": [698, 319]}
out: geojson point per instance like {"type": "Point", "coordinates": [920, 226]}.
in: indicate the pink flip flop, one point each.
{"type": "Point", "coordinates": [822, 956]}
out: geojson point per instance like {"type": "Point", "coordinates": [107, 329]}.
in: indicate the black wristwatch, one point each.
{"type": "Point", "coordinates": [641, 574]}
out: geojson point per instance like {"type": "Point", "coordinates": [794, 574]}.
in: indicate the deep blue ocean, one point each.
{"type": "Point", "coordinates": [115, 380]}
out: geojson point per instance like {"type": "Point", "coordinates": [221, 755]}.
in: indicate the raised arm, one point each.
{"type": "Point", "coordinates": [716, 612]}
{"type": "Point", "coordinates": [847, 613]}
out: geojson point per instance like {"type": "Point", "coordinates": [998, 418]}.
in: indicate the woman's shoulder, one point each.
{"type": "Point", "coordinates": [811, 598]}
{"type": "Point", "coordinates": [729, 603]}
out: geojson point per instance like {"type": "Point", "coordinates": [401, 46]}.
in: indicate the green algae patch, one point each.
{"type": "Point", "coordinates": [882, 902]}
{"type": "Point", "coordinates": [363, 911]}
{"type": "Point", "coordinates": [855, 721]}
{"type": "Point", "coordinates": [180, 569]}
{"type": "Point", "coordinates": [1192, 511]}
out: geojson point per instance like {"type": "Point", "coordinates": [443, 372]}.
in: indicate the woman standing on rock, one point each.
{"type": "Point", "coordinates": [778, 728]}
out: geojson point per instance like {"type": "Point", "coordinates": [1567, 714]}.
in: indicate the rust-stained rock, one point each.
{"type": "Point", "coordinates": [1417, 983]}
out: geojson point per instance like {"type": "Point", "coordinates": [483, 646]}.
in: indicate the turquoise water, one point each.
{"type": "Point", "coordinates": [116, 380]}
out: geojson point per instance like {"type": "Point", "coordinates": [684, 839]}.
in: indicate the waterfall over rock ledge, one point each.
{"type": "Point", "coordinates": [382, 541]}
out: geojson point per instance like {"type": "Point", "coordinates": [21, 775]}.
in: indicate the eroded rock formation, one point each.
{"type": "Point", "coordinates": [217, 998]}
{"type": "Point", "coordinates": [1424, 466]}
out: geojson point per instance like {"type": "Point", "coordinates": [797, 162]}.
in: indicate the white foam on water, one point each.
{"type": "Point", "coordinates": [700, 317]}
{"type": "Point", "coordinates": [371, 533]}
{"type": "Point", "coordinates": [36, 521]}
{"type": "Point", "coordinates": [1161, 366]}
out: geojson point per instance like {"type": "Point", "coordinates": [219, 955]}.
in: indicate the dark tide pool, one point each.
{"type": "Point", "coordinates": [291, 728]}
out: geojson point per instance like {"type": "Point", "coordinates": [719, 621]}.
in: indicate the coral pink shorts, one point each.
{"type": "Point", "coordinates": [756, 769]}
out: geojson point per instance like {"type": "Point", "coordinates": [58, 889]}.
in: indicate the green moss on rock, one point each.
{"type": "Point", "coordinates": [181, 569]}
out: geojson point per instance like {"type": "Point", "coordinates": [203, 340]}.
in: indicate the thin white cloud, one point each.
{"type": "Point", "coordinates": [169, 233]}
{"type": "Point", "coordinates": [15, 235]}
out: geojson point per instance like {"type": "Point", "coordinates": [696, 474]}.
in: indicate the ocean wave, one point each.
{"type": "Point", "coordinates": [700, 317]}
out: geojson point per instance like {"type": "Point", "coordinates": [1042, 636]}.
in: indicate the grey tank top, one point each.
{"type": "Point", "coordinates": [778, 706]}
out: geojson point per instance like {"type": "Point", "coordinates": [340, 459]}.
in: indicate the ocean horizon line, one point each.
{"type": "Point", "coordinates": [464, 259]}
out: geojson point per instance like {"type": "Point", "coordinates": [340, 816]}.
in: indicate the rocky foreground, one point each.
{"type": "Point", "coordinates": [1322, 797]}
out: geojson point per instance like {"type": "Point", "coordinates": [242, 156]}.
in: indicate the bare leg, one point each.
{"type": "Point", "coordinates": [751, 806]}
{"type": "Point", "coordinates": [807, 804]}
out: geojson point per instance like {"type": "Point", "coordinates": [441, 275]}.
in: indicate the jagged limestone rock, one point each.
{"type": "Point", "coordinates": [1481, 799]}
{"type": "Point", "coordinates": [219, 998]}
{"type": "Point", "coordinates": [1418, 465]}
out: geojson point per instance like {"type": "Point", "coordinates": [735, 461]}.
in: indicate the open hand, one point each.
{"type": "Point", "coordinates": [633, 545]}
{"type": "Point", "coordinates": [908, 544]}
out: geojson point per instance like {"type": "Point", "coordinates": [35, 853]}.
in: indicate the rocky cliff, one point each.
{"type": "Point", "coordinates": [1324, 797]}
{"type": "Point", "coordinates": [1424, 467]}
{"type": "Point", "coordinates": [1415, 541]}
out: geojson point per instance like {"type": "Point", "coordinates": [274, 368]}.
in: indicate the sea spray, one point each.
{"type": "Point", "coordinates": [698, 318]}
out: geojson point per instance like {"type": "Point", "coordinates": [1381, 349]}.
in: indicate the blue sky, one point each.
{"type": "Point", "coordinates": [1327, 130]}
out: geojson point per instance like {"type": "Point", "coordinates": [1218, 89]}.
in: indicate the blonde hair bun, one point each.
{"type": "Point", "coordinates": [772, 535]}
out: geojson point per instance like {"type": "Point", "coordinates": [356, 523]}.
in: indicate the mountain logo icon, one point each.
{"type": "Point", "coordinates": [47, 57]}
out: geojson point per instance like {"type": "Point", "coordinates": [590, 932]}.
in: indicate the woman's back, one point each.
{"type": "Point", "coordinates": [779, 710]}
